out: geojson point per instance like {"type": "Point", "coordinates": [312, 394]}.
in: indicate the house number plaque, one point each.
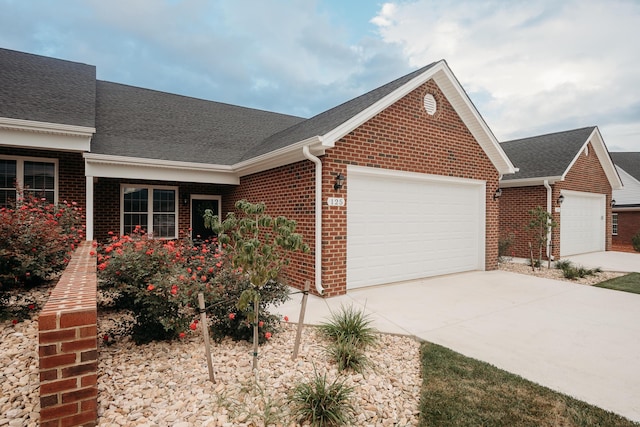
{"type": "Point", "coordinates": [335, 201]}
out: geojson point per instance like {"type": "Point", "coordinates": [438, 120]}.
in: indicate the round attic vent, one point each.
{"type": "Point", "coordinates": [430, 104]}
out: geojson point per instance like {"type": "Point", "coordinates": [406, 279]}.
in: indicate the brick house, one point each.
{"type": "Point", "coordinates": [626, 210]}
{"type": "Point", "coordinates": [393, 185]}
{"type": "Point", "coordinates": [569, 174]}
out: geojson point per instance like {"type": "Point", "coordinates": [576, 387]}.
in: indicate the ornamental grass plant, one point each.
{"type": "Point", "coordinates": [322, 403]}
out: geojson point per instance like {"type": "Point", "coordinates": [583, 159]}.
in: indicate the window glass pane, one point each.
{"type": "Point", "coordinates": [39, 176]}
{"type": "Point", "coordinates": [7, 174]}
{"type": "Point", "coordinates": [164, 201]}
{"type": "Point", "coordinates": [131, 220]}
{"type": "Point", "coordinates": [164, 225]}
{"type": "Point", "coordinates": [136, 200]}
{"type": "Point", "coordinates": [6, 197]}
{"type": "Point", "coordinates": [41, 194]}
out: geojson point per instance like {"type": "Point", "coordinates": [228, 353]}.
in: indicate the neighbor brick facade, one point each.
{"type": "Point", "coordinates": [585, 175]}
{"type": "Point", "coordinates": [402, 137]}
{"type": "Point", "coordinates": [628, 226]}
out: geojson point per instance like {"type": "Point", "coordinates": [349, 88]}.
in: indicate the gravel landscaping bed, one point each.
{"type": "Point", "coordinates": [166, 384]}
{"type": "Point", "coordinates": [556, 274]}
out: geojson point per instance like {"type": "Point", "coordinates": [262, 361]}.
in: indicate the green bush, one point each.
{"type": "Point", "coordinates": [349, 325]}
{"type": "Point", "coordinates": [36, 240]}
{"type": "Point", "coordinates": [158, 282]}
{"type": "Point", "coordinates": [321, 403]}
{"type": "Point", "coordinates": [348, 356]}
{"type": "Point", "coordinates": [635, 241]}
{"type": "Point", "coordinates": [227, 320]}
{"type": "Point", "coordinates": [571, 272]}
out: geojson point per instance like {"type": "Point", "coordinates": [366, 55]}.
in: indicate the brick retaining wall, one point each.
{"type": "Point", "coordinates": [68, 346]}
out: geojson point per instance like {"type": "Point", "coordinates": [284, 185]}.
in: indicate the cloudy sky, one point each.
{"type": "Point", "coordinates": [531, 67]}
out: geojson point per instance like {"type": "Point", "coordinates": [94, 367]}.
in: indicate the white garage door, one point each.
{"type": "Point", "coordinates": [582, 223]}
{"type": "Point", "coordinates": [403, 226]}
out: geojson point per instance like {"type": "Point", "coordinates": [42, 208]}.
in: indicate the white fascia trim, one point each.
{"type": "Point", "coordinates": [101, 165]}
{"type": "Point", "coordinates": [46, 127]}
{"type": "Point", "coordinates": [447, 82]}
{"type": "Point", "coordinates": [281, 157]}
{"type": "Point", "coordinates": [603, 156]}
{"type": "Point", "coordinates": [529, 182]}
{"type": "Point", "coordinates": [471, 117]}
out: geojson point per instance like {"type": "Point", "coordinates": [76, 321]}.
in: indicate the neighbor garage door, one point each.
{"type": "Point", "coordinates": [582, 223]}
{"type": "Point", "coordinates": [403, 226]}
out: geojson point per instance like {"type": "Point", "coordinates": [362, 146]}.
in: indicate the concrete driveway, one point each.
{"type": "Point", "coordinates": [580, 340]}
{"type": "Point", "coordinates": [608, 261]}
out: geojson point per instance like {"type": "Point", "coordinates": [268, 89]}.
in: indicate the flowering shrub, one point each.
{"type": "Point", "coordinates": [158, 281]}
{"type": "Point", "coordinates": [36, 240]}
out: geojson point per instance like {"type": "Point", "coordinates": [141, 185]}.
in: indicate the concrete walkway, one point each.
{"type": "Point", "coordinates": [608, 261]}
{"type": "Point", "coordinates": [580, 340]}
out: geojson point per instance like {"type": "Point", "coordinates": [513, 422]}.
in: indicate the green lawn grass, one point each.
{"type": "Point", "coordinates": [628, 283]}
{"type": "Point", "coordinates": [460, 391]}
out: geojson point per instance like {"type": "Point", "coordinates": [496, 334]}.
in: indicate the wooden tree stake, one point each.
{"type": "Point", "coordinates": [303, 309]}
{"type": "Point", "coordinates": [205, 331]}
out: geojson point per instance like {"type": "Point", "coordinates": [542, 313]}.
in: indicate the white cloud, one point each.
{"type": "Point", "coordinates": [535, 66]}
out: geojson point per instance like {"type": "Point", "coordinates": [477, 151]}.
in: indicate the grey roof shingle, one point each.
{"type": "Point", "coordinates": [629, 162]}
{"type": "Point", "coordinates": [44, 89]}
{"type": "Point", "coordinates": [545, 155]}
{"type": "Point", "coordinates": [144, 123]}
{"type": "Point", "coordinates": [330, 119]}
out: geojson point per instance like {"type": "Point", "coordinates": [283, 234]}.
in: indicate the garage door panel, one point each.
{"type": "Point", "coordinates": [421, 227]}
{"type": "Point", "coordinates": [582, 223]}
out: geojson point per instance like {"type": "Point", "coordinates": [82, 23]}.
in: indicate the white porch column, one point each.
{"type": "Point", "coordinates": [89, 209]}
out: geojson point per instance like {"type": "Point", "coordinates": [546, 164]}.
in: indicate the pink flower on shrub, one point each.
{"type": "Point", "coordinates": [32, 306]}
{"type": "Point", "coordinates": [174, 290]}
{"type": "Point", "coordinates": [14, 321]}
{"type": "Point", "coordinates": [182, 335]}
{"type": "Point", "coordinates": [286, 318]}
{"type": "Point", "coordinates": [267, 335]}
{"type": "Point", "coordinates": [260, 324]}
{"type": "Point", "coordinates": [193, 326]}
{"type": "Point", "coordinates": [203, 278]}
{"type": "Point", "coordinates": [92, 253]}
{"type": "Point", "coordinates": [232, 316]}
{"type": "Point", "coordinates": [150, 287]}
{"type": "Point", "coordinates": [110, 233]}
{"type": "Point", "coordinates": [219, 264]}
{"type": "Point", "coordinates": [102, 266]}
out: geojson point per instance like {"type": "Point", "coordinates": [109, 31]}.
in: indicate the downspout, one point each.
{"type": "Point", "coordinates": [549, 206]}
{"type": "Point", "coordinates": [318, 243]}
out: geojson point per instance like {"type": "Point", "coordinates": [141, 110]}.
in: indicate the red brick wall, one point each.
{"type": "Point", "coordinates": [402, 137]}
{"type": "Point", "coordinates": [515, 204]}
{"type": "Point", "coordinates": [68, 346]}
{"type": "Point", "coordinates": [287, 191]}
{"type": "Point", "coordinates": [107, 202]}
{"type": "Point", "coordinates": [585, 175]}
{"type": "Point", "coordinates": [628, 226]}
{"type": "Point", "coordinates": [72, 183]}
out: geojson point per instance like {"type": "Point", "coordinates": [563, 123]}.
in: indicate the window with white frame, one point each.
{"type": "Point", "coordinates": [614, 224]}
{"type": "Point", "coordinates": [152, 208]}
{"type": "Point", "coordinates": [36, 177]}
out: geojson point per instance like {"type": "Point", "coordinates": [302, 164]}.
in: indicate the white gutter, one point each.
{"type": "Point", "coordinates": [549, 206]}
{"type": "Point", "coordinates": [318, 243]}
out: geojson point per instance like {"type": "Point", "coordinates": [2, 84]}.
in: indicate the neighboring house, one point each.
{"type": "Point", "coordinates": [417, 163]}
{"type": "Point", "coordinates": [626, 210]}
{"type": "Point", "coordinates": [569, 174]}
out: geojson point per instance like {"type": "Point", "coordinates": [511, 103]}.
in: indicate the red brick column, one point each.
{"type": "Point", "coordinates": [68, 346]}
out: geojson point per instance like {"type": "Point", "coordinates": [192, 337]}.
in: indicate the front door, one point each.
{"type": "Point", "coordinates": [198, 205]}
